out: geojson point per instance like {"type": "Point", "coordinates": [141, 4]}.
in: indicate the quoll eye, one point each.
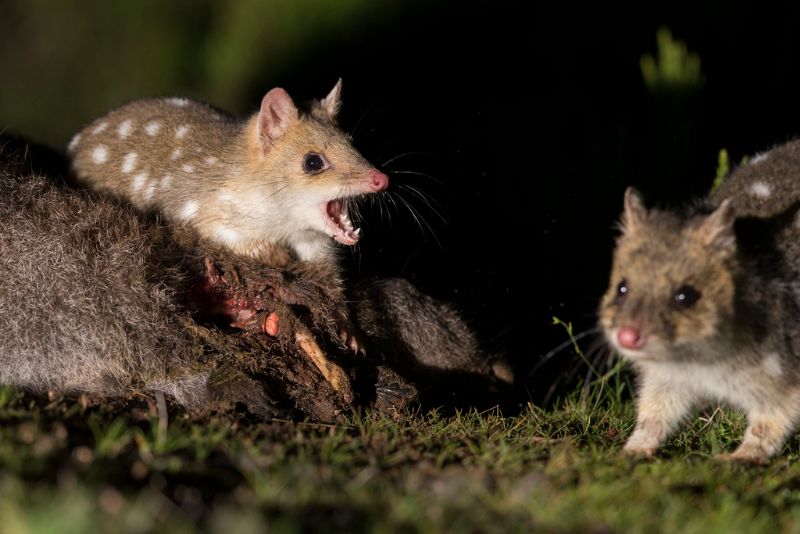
{"type": "Point", "coordinates": [313, 163]}
{"type": "Point", "coordinates": [685, 297]}
{"type": "Point", "coordinates": [622, 289]}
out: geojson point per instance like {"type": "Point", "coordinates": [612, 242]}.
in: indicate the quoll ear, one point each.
{"type": "Point", "coordinates": [332, 103]}
{"type": "Point", "coordinates": [634, 213]}
{"type": "Point", "coordinates": [717, 229]}
{"type": "Point", "coordinates": [277, 114]}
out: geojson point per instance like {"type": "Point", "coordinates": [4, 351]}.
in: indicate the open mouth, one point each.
{"type": "Point", "coordinates": [339, 221]}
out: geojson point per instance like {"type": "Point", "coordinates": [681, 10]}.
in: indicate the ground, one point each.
{"type": "Point", "coordinates": [69, 465]}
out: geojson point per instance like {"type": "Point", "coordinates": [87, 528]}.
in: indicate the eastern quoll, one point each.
{"type": "Point", "coordinates": [282, 184]}
{"type": "Point", "coordinates": [97, 298]}
{"type": "Point", "coordinates": [706, 306]}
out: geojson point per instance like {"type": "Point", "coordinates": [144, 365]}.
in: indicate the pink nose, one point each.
{"type": "Point", "coordinates": [629, 337]}
{"type": "Point", "coordinates": [378, 181]}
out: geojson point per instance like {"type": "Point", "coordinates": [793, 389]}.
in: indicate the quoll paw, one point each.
{"type": "Point", "coordinates": [638, 451]}
{"type": "Point", "coordinates": [351, 342]}
{"type": "Point", "coordinates": [642, 443]}
{"type": "Point", "coordinates": [746, 453]}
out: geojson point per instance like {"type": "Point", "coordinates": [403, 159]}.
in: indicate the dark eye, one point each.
{"type": "Point", "coordinates": [685, 297]}
{"type": "Point", "coordinates": [313, 163]}
{"type": "Point", "coordinates": [622, 290]}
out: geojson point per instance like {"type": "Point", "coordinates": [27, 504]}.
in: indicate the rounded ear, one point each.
{"type": "Point", "coordinates": [277, 114]}
{"type": "Point", "coordinates": [717, 229]}
{"type": "Point", "coordinates": [635, 212]}
{"type": "Point", "coordinates": [332, 103]}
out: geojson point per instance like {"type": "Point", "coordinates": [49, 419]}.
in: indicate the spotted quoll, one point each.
{"type": "Point", "coordinates": [281, 179]}
{"type": "Point", "coordinates": [705, 305]}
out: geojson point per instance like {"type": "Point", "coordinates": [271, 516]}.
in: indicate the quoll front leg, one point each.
{"type": "Point", "coordinates": [348, 334]}
{"type": "Point", "coordinates": [659, 408]}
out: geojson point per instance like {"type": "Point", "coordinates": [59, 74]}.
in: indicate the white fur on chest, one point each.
{"type": "Point", "coordinates": [251, 224]}
{"type": "Point", "coordinates": [741, 385]}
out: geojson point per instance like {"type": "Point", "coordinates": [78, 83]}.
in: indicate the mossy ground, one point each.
{"type": "Point", "coordinates": [69, 467]}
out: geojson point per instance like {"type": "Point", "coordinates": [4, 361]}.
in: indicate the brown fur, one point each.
{"type": "Point", "coordinates": [239, 183]}
{"type": "Point", "coordinates": [95, 300]}
{"type": "Point", "coordinates": [739, 342]}
{"type": "Point", "coordinates": [420, 335]}
{"type": "Point", "coordinates": [777, 168]}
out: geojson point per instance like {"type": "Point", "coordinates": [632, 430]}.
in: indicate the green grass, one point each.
{"type": "Point", "coordinates": [66, 467]}
{"type": "Point", "coordinates": [70, 466]}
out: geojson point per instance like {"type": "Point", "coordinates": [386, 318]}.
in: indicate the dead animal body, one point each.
{"type": "Point", "coordinates": [98, 298]}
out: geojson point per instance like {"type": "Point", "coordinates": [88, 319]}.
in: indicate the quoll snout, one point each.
{"type": "Point", "coordinates": [378, 181]}
{"type": "Point", "coordinates": [630, 337]}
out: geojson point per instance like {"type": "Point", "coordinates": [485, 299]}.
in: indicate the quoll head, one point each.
{"type": "Point", "coordinates": [321, 175]}
{"type": "Point", "coordinates": [672, 282]}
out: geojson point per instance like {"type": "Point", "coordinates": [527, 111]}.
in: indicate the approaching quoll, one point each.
{"type": "Point", "coordinates": [707, 306]}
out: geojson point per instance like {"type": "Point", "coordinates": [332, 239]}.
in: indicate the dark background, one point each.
{"type": "Point", "coordinates": [524, 122]}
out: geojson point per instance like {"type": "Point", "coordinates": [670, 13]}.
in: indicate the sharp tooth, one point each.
{"type": "Point", "coordinates": [357, 231]}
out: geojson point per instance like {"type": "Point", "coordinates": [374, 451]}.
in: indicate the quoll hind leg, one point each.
{"type": "Point", "coordinates": [766, 432]}
{"type": "Point", "coordinates": [318, 288]}
{"type": "Point", "coordinates": [660, 407]}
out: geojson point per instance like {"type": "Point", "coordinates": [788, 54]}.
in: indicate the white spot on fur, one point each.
{"type": "Point", "coordinates": [152, 128]}
{"type": "Point", "coordinates": [138, 182]}
{"type": "Point", "coordinates": [176, 154]}
{"type": "Point", "coordinates": [150, 192]}
{"type": "Point", "coordinates": [761, 189]}
{"type": "Point", "coordinates": [125, 128]}
{"type": "Point", "coordinates": [180, 102]}
{"type": "Point", "coordinates": [100, 127]}
{"type": "Point", "coordinates": [772, 365]}
{"type": "Point", "coordinates": [189, 210]}
{"type": "Point", "coordinates": [187, 168]}
{"type": "Point", "coordinates": [73, 143]}
{"type": "Point", "coordinates": [210, 160]}
{"type": "Point", "coordinates": [100, 154]}
{"type": "Point", "coordinates": [129, 162]}
{"type": "Point", "coordinates": [758, 158]}
{"type": "Point", "coordinates": [181, 132]}
{"type": "Point", "coordinates": [225, 196]}
{"type": "Point", "coordinates": [226, 235]}
{"type": "Point", "coordinates": [165, 181]}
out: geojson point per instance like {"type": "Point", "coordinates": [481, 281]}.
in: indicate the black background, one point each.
{"type": "Point", "coordinates": [534, 119]}
{"type": "Point", "coordinates": [525, 121]}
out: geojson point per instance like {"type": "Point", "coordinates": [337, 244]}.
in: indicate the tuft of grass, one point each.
{"type": "Point", "coordinates": [110, 439]}
{"type": "Point", "coordinates": [673, 68]}
{"type": "Point", "coordinates": [723, 168]}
